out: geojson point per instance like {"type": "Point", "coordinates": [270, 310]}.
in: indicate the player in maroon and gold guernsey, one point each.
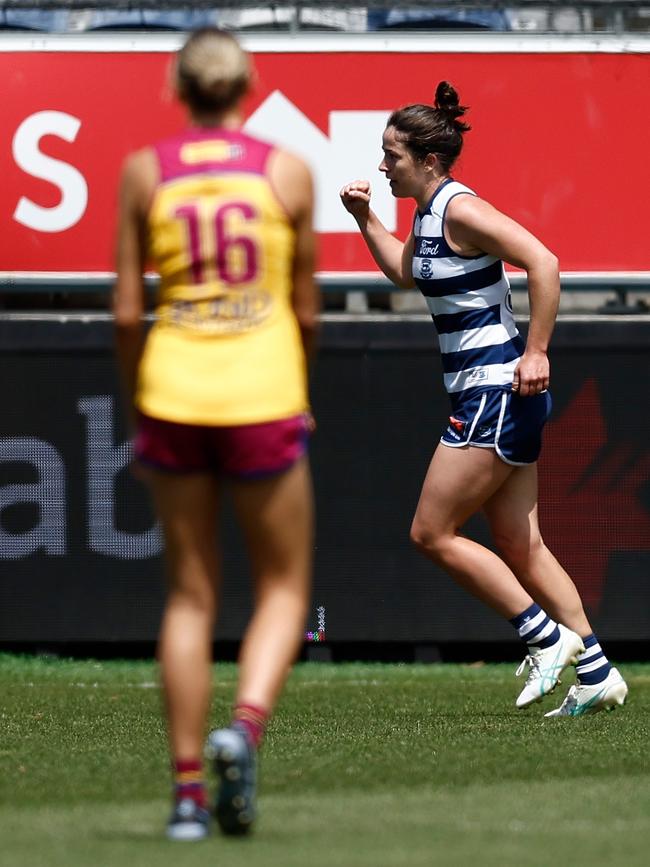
{"type": "Point", "coordinates": [219, 390]}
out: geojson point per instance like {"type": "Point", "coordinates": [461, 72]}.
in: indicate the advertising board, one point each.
{"type": "Point", "coordinates": [559, 137]}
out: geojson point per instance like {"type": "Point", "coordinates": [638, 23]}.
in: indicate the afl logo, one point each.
{"type": "Point", "coordinates": [426, 270]}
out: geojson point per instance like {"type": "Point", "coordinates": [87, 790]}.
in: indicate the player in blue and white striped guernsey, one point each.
{"type": "Point", "coordinates": [498, 387]}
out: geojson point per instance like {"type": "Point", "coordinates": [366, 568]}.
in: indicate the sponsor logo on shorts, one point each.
{"type": "Point", "coordinates": [483, 432]}
{"type": "Point", "coordinates": [456, 424]}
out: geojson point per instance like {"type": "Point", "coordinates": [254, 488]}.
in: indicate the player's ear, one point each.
{"type": "Point", "coordinates": [431, 162]}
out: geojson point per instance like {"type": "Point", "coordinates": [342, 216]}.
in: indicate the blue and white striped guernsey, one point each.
{"type": "Point", "coordinates": [469, 300]}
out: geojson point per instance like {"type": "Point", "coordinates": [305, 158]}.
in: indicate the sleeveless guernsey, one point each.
{"type": "Point", "coordinates": [469, 300]}
{"type": "Point", "coordinates": [225, 348]}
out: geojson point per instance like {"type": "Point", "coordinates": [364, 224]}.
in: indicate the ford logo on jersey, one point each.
{"type": "Point", "coordinates": [428, 248]}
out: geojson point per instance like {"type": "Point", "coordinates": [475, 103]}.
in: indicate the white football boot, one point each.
{"type": "Point", "coordinates": [545, 665]}
{"type": "Point", "coordinates": [590, 698]}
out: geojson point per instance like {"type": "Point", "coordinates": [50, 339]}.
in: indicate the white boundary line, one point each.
{"type": "Point", "coordinates": [319, 43]}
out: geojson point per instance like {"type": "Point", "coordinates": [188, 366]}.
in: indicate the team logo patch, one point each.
{"type": "Point", "coordinates": [426, 270]}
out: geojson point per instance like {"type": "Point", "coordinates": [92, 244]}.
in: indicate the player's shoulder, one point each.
{"type": "Point", "coordinates": [290, 164]}
{"type": "Point", "coordinates": [139, 162]}
{"type": "Point", "coordinates": [465, 207]}
{"type": "Point", "coordinates": [140, 175]}
{"type": "Point", "coordinates": [291, 180]}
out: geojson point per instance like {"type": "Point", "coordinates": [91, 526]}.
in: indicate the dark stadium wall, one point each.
{"type": "Point", "coordinates": [80, 555]}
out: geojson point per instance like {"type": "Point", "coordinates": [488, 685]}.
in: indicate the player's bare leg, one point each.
{"type": "Point", "coordinates": [187, 506]}
{"type": "Point", "coordinates": [458, 483]}
{"type": "Point", "coordinates": [512, 514]}
{"type": "Point", "coordinates": [276, 516]}
{"type": "Point", "coordinates": [513, 519]}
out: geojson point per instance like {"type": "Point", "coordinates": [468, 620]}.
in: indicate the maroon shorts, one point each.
{"type": "Point", "coordinates": [242, 451]}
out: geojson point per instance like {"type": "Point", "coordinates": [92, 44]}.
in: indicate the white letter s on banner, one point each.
{"type": "Point", "coordinates": [74, 190]}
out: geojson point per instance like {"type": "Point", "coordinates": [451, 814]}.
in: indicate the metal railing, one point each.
{"type": "Point", "coordinates": [353, 292]}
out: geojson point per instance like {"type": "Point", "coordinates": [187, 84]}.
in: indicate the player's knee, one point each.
{"type": "Point", "coordinates": [428, 541]}
{"type": "Point", "coordinates": [518, 549]}
{"type": "Point", "coordinates": [198, 598]}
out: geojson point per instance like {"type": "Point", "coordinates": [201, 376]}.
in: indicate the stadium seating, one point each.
{"type": "Point", "coordinates": [47, 20]}
{"type": "Point", "coordinates": [439, 18]}
{"type": "Point", "coordinates": [551, 16]}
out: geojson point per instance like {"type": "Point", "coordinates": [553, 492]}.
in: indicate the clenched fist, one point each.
{"type": "Point", "coordinates": [355, 197]}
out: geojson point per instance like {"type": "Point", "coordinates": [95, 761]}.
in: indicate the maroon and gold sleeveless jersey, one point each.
{"type": "Point", "coordinates": [225, 348]}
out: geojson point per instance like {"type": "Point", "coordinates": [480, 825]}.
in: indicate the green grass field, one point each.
{"type": "Point", "coordinates": [364, 766]}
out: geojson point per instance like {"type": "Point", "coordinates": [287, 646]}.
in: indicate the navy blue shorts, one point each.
{"type": "Point", "coordinates": [501, 420]}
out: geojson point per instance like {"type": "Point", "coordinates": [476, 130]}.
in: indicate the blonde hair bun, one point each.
{"type": "Point", "coordinates": [213, 71]}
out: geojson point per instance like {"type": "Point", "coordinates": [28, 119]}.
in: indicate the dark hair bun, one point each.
{"type": "Point", "coordinates": [447, 101]}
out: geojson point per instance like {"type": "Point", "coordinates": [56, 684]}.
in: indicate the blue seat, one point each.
{"type": "Point", "coordinates": [42, 20]}
{"type": "Point", "coordinates": [439, 18]}
{"type": "Point", "coordinates": [149, 19]}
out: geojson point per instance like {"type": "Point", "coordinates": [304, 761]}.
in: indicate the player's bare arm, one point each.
{"type": "Point", "coordinates": [475, 226]}
{"type": "Point", "coordinates": [391, 255]}
{"type": "Point", "coordinates": [137, 183]}
{"type": "Point", "coordinates": [292, 180]}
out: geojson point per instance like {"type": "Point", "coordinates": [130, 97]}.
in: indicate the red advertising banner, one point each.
{"type": "Point", "coordinates": [560, 141]}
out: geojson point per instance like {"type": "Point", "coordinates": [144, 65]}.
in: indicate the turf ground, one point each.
{"type": "Point", "coordinates": [382, 765]}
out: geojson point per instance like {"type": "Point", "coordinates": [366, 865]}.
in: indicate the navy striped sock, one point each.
{"type": "Point", "coordinates": [535, 627]}
{"type": "Point", "coordinates": [593, 666]}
